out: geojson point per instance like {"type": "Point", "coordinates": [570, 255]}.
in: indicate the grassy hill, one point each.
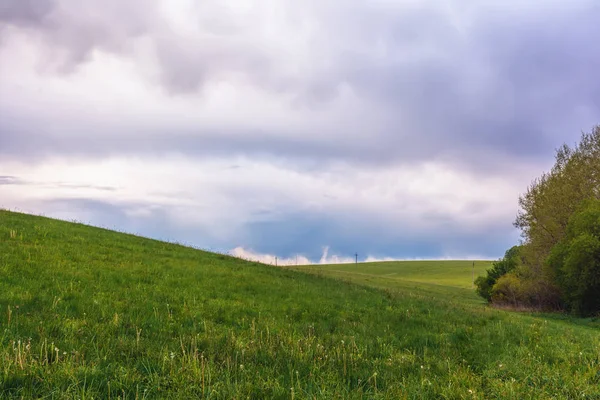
{"type": "Point", "coordinates": [90, 313]}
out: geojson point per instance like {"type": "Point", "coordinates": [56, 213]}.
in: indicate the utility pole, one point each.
{"type": "Point", "coordinates": [473, 284]}
{"type": "Point", "coordinates": [356, 257]}
{"type": "Point", "coordinates": [275, 260]}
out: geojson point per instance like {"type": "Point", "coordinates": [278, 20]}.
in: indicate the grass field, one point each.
{"type": "Point", "coordinates": [88, 313]}
{"type": "Point", "coordinates": [442, 279]}
{"type": "Point", "coordinates": [446, 273]}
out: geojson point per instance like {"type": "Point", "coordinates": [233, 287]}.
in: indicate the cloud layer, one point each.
{"type": "Point", "coordinates": [392, 128]}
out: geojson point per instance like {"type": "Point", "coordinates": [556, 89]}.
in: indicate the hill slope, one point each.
{"type": "Point", "coordinates": [90, 313]}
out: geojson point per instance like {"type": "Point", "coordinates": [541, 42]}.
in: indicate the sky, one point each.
{"type": "Point", "coordinates": [304, 130]}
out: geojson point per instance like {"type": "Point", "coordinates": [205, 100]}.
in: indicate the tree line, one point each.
{"type": "Point", "coordinates": [557, 264]}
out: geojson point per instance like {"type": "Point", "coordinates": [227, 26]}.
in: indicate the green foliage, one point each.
{"type": "Point", "coordinates": [89, 313]}
{"type": "Point", "coordinates": [507, 290]}
{"type": "Point", "coordinates": [560, 251]}
{"type": "Point", "coordinates": [575, 260]}
{"type": "Point", "coordinates": [550, 201]}
{"type": "Point", "coordinates": [511, 260]}
{"type": "Point", "coordinates": [518, 289]}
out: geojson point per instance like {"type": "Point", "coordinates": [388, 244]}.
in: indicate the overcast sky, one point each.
{"type": "Point", "coordinates": [396, 129]}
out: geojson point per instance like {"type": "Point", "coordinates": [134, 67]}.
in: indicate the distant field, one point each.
{"type": "Point", "coordinates": [446, 273]}
{"type": "Point", "coordinates": [450, 279]}
{"type": "Point", "coordinates": [87, 313]}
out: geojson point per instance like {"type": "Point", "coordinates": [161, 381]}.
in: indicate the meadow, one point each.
{"type": "Point", "coordinates": [87, 313]}
{"type": "Point", "coordinates": [449, 280]}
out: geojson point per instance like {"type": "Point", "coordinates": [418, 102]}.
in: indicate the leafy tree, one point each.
{"type": "Point", "coordinates": [551, 199]}
{"type": "Point", "coordinates": [558, 262]}
{"type": "Point", "coordinates": [575, 261]}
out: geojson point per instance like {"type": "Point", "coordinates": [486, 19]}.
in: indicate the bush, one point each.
{"type": "Point", "coordinates": [511, 260]}
{"type": "Point", "coordinates": [507, 290]}
{"type": "Point", "coordinates": [519, 290]}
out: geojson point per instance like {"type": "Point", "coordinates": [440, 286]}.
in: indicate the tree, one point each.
{"type": "Point", "coordinates": [550, 200]}
{"type": "Point", "coordinates": [558, 262]}
{"type": "Point", "coordinates": [575, 261]}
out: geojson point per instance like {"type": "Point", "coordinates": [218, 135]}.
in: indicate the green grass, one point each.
{"type": "Point", "coordinates": [446, 273]}
{"type": "Point", "coordinates": [442, 279]}
{"type": "Point", "coordinates": [89, 313]}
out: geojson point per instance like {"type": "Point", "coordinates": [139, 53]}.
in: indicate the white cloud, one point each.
{"type": "Point", "coordinates": [272, 259]}
{"type": "Point", "coordinates": [328, 259]}
{"type": "Point", "coordinates": [225, 195]}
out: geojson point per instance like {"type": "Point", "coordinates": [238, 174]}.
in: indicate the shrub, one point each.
{"type": "Point", "coordinates": [511, 260]}
{"type": "Point", "coordinates": [507, 290]}
{"type": "Point", "coordinates": [518, 290]}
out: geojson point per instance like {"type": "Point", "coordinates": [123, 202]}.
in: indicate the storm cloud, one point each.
{"type": "Point", "coordinates": [319, 92]}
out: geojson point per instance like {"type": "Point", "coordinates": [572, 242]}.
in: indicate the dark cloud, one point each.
{"type": "Point", "coordinates": [309, 156]}
{"type": "Point", "coordinates": [511, 86]}
{"type": "Point", "coordinates": [24, 12]}
{"type": "Point", "coordinates": [187, 64]}
{"type": "Point", "coordinates": [72, 30]}
{"type": "Point", "coordinates": [502, 87]}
